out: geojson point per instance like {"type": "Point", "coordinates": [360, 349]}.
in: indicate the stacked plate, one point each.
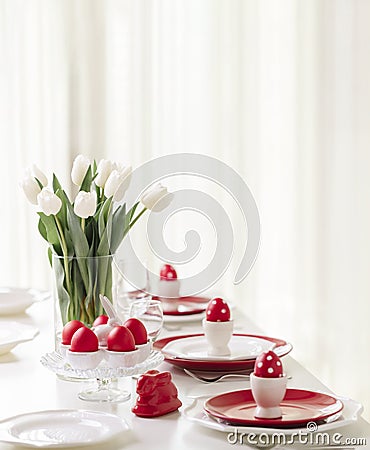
{"type": "Point", "coordinates": [17, 300]}
{"type": "Point", "coordinates": [189, 309]}
{"type": "Point", "coordinates": [190, 352]}
{"type": "Point", "coordinates": [299, 407]}
{"type": "Point", "coordinates": [304, 412]}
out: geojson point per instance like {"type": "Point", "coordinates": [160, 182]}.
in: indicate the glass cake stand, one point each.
{"type": "Point", "coordinates": [104, 390]}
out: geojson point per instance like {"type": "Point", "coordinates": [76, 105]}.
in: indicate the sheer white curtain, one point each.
{"type": "Point", "coordinates": [278, 90]}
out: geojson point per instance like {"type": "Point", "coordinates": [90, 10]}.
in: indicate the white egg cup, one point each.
{"type": "Point", "coordinates": [268, 394]}
{"type": "Point", "coordinates": [144, 351]}
{"type": "Point", "coordinates": [218, 335]}
{"type": "Point", "coordinates": [169, 292]}
{"type": "Point", "coordinates": [122, 359]}
{"type": "Point", "coordinates": [63, 348]}
{"type": "Point", "coordinates": [84, 360]}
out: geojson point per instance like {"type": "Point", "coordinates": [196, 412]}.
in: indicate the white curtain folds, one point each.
{"type": "Point", "coordinates": [279, 90]}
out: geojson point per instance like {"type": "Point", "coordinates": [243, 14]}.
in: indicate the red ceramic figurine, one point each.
{"type": "Point", "coordinates": [157, 395]}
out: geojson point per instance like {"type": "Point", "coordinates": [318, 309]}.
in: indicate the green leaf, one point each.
{"type": "Point", "coordinates": [86, 182]}
{"type": "Point", "coordinates": [103, 216]}
{"type": "Point", "coordinates": [62, 293]}
{"type": "Point", "coordinates": [118, 227]}
{"type": "Point", "coordinates": [56, 185]}
{"type": "Point", "coordinates": [77, 236]}
{"type": "Point", "coordinates": [50, 256]}
{"type": "Point", "coordinates": [42, 229]}
{"type": "Point", "coordinates": [80, 244]}
{"type": "Point", "coordinates": [52, 234]}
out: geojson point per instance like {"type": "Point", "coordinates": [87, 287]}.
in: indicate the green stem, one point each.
{"type": "Point", "coordinates": [137, 218]}
{"type": "Point", "coordinates": [83, 224]}
{"type": "Point", "coordinates": [65, 253]}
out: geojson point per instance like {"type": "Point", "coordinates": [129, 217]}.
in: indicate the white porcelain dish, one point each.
{"type": "Point", "coordinates": [196, 348]}
{"type": "Point", "coordinates": [17, 300]}
{"type": "Point", "coordinates": [14, 333]}
{"type": "Point", "coordinates": [61, 428]}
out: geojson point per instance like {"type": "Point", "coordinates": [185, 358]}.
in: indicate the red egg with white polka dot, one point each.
{"type": "Point", "coordinates": [168, 273]}
{"type": "Point", "coordinates": [218, 311]}
{"type": "Point", "coordinates": [268, 365]}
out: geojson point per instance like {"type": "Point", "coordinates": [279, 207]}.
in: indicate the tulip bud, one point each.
{"type": "Point", "coordinates": [49, 202]}
{"type": "Point", "coordinates": [85, 204]}
{"type": "Point", "coordinates": [117, 183]}
{"type": "Point", "coordinates": [104, 169]}
{"type": "Point", "coordinates": [157, 198]}
{"type": "Point", "coordinates": [31, 188]}
{"type": "Point", "coordinates": [79, 169]}
{"type": "Point", "coordinates": [39, 174]}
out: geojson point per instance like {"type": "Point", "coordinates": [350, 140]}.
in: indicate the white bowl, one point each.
{"type": "Point", "coordinates": [122, 359]}
{"type": "Point", "coordinates": [84, 360]}
{"type": "Point", "coordinates": [144, 351]}
{"type": "Point", "coordinates": [218, 335]}
{"type": "Point", "coordinates": [268, 394]}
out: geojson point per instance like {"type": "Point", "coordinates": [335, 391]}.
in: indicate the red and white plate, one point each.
{"type": "Point", "coordinates": [196, 348]}
{"type": "Point", "coordinates": [195, 413]}
{"type": "Point", "coordinates": [299, 407]}
{"type": "Point", "coordinates": [281, 348]}
{"type": "Point", "coordinates": [187, 306]}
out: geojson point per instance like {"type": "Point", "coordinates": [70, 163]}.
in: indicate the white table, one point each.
{"type": "Point", "coordinates": [27, 386]}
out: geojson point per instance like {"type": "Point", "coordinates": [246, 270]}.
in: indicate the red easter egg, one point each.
{"type": "Point", "coordinates": [101, 320]}
{"type": "Point", "coordinates": [138, 330]}
{"type": "Point", "coordinates": [84, 340]}
{"type": "Point", "coordinates": [120, 339]}
{"type": "Point", "coordinates": [218, 311]}
{"type": "Point", "coordinates": [268, 365]}
{"type": "Point", "coordinates": [69, 330]}
{"type": "Point", "coordinates": [168, 273]}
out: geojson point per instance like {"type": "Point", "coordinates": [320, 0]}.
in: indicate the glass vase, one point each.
{"type": "Point", "coordinates": [78, 282]}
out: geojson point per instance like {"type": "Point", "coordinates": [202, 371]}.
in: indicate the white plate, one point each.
{"type": "Point", "coordinates": [14, 333]}
{"type": "Point", "coordinates": [184, 318]}
{"type": "Point", "coordinates": [195, 413]}
{"type": "Point", "coordinates": [17, 300]}
{"type": "Point", "coordinates": [195, 348]}
{"type": "Point", "coordinates": [61, 429]}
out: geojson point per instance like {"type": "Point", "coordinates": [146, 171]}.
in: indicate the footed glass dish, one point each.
{"type": "Point", "coordinates": [104, 391]}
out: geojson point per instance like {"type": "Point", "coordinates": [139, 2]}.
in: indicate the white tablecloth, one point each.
{"type": "Point", "coordinates": [27, 386]}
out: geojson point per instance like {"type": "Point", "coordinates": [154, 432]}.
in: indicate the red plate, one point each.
{"type": "Point", "coordinates": [189, 305]}
{"type": "Point", "coordinates": [298, 406]}
{"type": "Point", "coordinates": [282, 348]}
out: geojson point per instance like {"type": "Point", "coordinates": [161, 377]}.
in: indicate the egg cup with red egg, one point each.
{"type": "Point", "coordinates": [121, 350]}
{"type": "Point", "coordinates": [169, 288]}
{"type": "Point", "coordinates": [218, 327]}
{"type": "Point", "coordinates": [69, 330]}
{"type": "Point", "coordinates": [84, 351]}
{"type": "Point", "coordinates": [268, 384]}
{"type": "Point", "coordinates": [142, 343]}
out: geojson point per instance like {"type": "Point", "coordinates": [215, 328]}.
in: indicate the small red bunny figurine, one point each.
{"type": "Point", "coordinates": [157, 395]}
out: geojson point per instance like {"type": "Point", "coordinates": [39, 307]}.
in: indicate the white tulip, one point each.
{"type": "Point", "coordinates": [104, 169]}
{"type": "Point", "coordinates": [79, 169]}
{"type": "Point", "coordinates": [157, 198]}
{"type": "Point", "coordinates": [49, 202]}
{"type": "Point", "coordinates": [85, 204]}
{"type": "Point", "coordinates": [39, 174]}
{"type": "Point", "coordinates": [31, 188]}
{"type": "Point", "coordinates": [117, 183]}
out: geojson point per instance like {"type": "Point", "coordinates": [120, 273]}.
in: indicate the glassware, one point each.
{"type": "Point", "coordinates": [78, 282]}
{"type": "Point", "coordinates": [150, 312]}
{"type": "Point", "coordinates": [131, 283]}
{"type": "Point", "coordinates": [104, 389]}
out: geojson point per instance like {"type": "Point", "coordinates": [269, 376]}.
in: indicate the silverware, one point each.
{"type": "Point", "coordinates": [215, 379]}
